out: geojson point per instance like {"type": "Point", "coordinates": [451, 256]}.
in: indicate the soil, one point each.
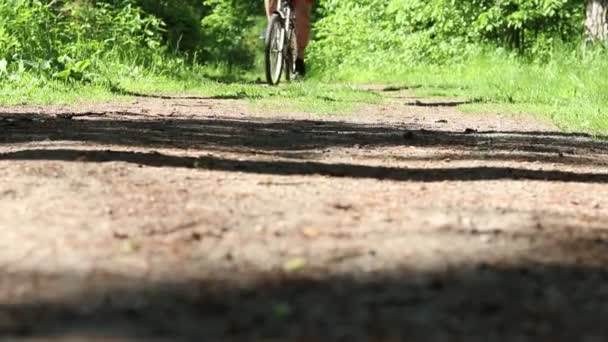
{"type": "Point", "coordinates": [199, 219]}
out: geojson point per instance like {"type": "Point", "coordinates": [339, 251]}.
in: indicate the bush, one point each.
{"type": "Point", "coordinates": [74, 41]}
{"type": "Point", "coordinates": [182, 18]}
{"type": "Point", "coordinates": [385, 33]}
{"type": "Point", "coordinates": [225, 30]}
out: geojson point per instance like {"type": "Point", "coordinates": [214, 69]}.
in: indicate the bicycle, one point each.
{"type": "Point", "coordinates": [280, 46]}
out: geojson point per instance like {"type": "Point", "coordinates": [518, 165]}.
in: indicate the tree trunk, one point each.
{"type": "Point", "coordinates": [596, 24]}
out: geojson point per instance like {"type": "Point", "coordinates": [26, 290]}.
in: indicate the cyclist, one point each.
{"type": "Point", "coordinates": [303, 9]}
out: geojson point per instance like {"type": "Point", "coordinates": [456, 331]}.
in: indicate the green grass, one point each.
{"type": "Point", "coordinates": [32, 90]}
{"type": "Point", "coordinates": [570, 90]}
{"type": "Point", "coordinates": [308, 96]}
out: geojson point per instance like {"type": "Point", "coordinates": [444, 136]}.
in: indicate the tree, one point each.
{"type": "Point", "coordinates": [596, 24]}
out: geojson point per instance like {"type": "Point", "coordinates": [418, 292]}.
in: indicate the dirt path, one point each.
{"type": "Point", "coordinates": [199, 220]}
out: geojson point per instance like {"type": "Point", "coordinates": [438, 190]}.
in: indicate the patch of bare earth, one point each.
{"type": "Point", "coordinates": [198, 219]}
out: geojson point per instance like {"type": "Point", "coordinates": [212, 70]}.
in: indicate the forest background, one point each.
{"type": "Point", "coordinates": [544, 57]}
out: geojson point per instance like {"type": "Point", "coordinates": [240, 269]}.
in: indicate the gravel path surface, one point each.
{"type": "Point", "coordinates": [194, 219]}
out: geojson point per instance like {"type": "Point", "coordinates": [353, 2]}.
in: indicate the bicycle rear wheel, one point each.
{"type": "Point", "coordinates": [274, 48]}
{"type": "Point", "coordinates": [291, 53]}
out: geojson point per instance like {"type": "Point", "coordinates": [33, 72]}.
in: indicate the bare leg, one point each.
{"type": "Point", "coordinates": [270, 6]}
{"type": "Point", "coordinates": [302, 9]}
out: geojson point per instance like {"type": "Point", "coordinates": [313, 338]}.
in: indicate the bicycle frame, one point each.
{"type": "Point", "coordinates": [284, 41]}
{"type": "Point", "coordinates": [284, 9]}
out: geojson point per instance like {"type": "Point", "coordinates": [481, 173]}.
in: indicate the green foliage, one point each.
{"type": "Point", "coordinates": [526, 24]}
{"type": "Point", "coordinates": [520, 53]}
{"type": "Point", "coordinates": [383, 34]}
{"type": "Point", "coordinates": [208, 31]}
{"type": "Point", "coordinates": [225, 33]}
{"type": "Point", "coordinates": [182, 21]}
{"type": "Point", "coordinates": [513, 55]}
{"type": "Point", "coordinates": [94, 41]}
{"type": "Point", "coordinates": [74, 41]}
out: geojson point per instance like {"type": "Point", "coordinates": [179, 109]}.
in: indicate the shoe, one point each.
{"type": "Point", "coordinates": [300, 67]}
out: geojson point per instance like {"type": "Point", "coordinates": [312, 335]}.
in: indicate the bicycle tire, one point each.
{"type": "Point", "coordinates": [274, 49]}
{"type": "Point", "coordinates": [291, 53]}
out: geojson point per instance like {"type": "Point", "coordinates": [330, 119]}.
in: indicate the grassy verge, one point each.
{"type": "Point", "coordinates": [309, 96]}
{"type": "Point", "coordinates": [569, 90]}
{"type": "Point", "coordinates": [33, 90]}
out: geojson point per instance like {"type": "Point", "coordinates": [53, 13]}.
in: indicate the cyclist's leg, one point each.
{"type": "Point", "coordinates": [303, 10]}
{"type": "Point", "coordinates": [270, 6]}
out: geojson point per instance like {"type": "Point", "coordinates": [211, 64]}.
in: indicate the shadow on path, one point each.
{"type": "Point", "coordinates": [294, 138]}
{"type": "Point", "coordinates": [291, 168]}
{"type": "Point", "coordinates": [524, 301]}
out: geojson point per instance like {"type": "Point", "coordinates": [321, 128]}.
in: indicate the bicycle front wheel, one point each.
{"type": "Point", "coordinates": [274, 49]}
